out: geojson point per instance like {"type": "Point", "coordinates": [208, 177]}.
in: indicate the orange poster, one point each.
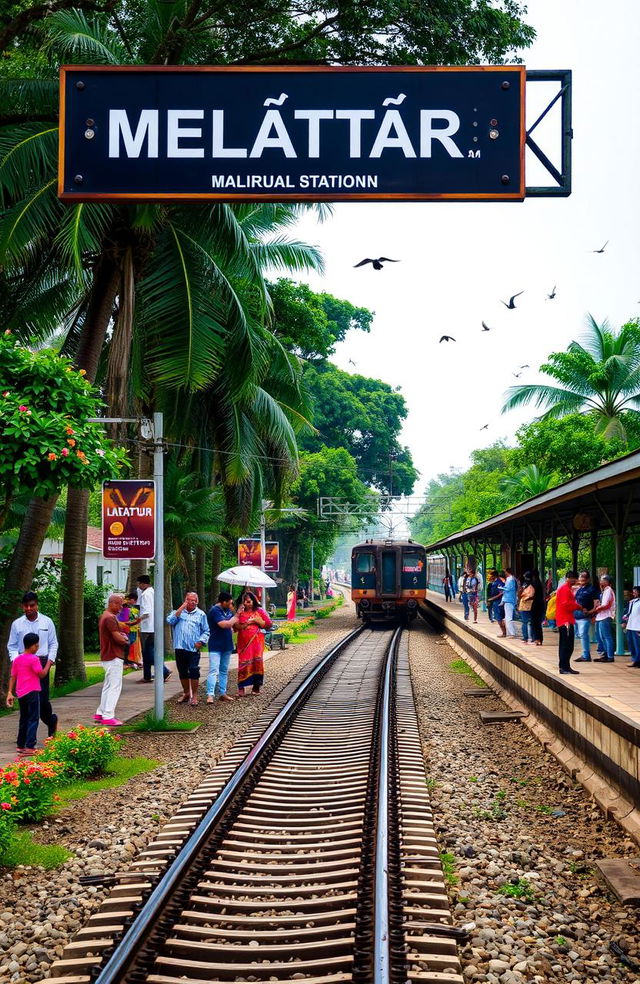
{"type": "Point", "coordinates": [129, 519]}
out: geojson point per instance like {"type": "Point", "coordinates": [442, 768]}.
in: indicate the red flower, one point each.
{"type": "Point", "coordinates": [22, 408]}
{"type": "Point", "coordinates": [65, 452]}
{"type": "Point", "coordinates": [5, 806]}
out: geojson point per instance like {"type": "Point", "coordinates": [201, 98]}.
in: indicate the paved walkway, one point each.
{"type": "Point", "coordinates": [612, 683]}
{"type": "Point", "coordinates": [80, 706]}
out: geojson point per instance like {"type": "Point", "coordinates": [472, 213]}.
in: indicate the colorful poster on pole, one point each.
{"type": "Point", "coordinates": [129, 519]}
{"type": "Point", "coordinates": [249, 553]}
{"type": "Point", "coordinates": [272, 557]}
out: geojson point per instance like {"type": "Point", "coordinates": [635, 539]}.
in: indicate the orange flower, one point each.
{"type": "Point", "coordinates": [51, 456]}
{"type": "Point", "coordinates": [71, 442]}
{"type": "Point", "coordinates": [69, 430]}
{"type": "Point", "coordinates": [82, 372]}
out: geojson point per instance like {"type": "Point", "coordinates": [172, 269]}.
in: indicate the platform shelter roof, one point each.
{"type": "Point", "coordinates": [606, 499]}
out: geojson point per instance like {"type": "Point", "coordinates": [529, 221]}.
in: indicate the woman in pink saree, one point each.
{"type": "Point", "coordinates": [251, 620]}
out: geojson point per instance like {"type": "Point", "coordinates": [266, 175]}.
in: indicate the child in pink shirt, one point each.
{"type": "Point", "coordinates": [26, 673]}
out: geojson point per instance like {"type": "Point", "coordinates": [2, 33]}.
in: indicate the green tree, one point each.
{"type": "Point", "coordinates": [462, 499]}
{"type": "Point", "coordinates": [46, 442]}
{"type": "Point", "coordinates": [326, 472]}
{"type": "Point", "coordinates": [365, 416]}
{"type": "Point", "coordinates": [567, 447]}
{"type": "Point", "coordinates": [392, 32]}
{"type": "Point", "coordinates": [599, 374]}
{"type": "Point", "coordinates": [311, 324]}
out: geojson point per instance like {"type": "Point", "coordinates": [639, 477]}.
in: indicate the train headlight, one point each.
{"type": "Point", "coordinates": [364, 603]}
{"type": "Point", "coordinates": [412, 603]}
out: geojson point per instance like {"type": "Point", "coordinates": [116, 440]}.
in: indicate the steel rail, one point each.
{"type": "Point", "coordinates": [382, 919]}
{"type": "Point", "coordinates": [135, 937]}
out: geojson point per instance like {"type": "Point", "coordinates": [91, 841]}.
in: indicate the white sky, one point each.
{"type": "Point", "coordinates": [458, 260]}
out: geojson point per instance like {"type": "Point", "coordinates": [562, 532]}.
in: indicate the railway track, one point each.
{"type": "Point", "coordinates": [317, 862]}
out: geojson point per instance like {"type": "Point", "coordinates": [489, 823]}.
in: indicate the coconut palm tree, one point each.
{"type": "Point", "coordinates": [180, 279]}
{"type": "Point", "coordinates": [600, 374]}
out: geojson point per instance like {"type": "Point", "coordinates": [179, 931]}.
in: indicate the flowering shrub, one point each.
{"type": "Point", "coordinates": [7, 824]}
{"type": "Point", "coordinates": [82, 752]}
{"type": "Point", "coordinates": [29, 789]}
{"type": "Point", "coordinates": [46, 439]}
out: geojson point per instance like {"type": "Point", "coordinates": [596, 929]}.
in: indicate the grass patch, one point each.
{"type": "Point", "coordinates": [522, 889]}
{"type": "Point", "coordinates": [152, 723]}
{"type": "Point", "coordinates": [448, 862]}
{"type": "Point", "coordinates": [120, 771]}
{"type": "Point", "coordinates": [303, 637]}
{"type": "Point", "coordinates": [459, 666]}
{"type": "Point", "coordinates": [95, 674]}
{"type": "Point", "coordinates": [24, 850]}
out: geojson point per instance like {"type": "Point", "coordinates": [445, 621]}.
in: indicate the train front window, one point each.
{"type": "Point", "coordinates": [412, 562]}
{"type": "Point", "coordinates": [365, 563]}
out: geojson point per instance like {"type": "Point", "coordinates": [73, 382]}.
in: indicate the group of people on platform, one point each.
{"type": "Point", "coordinates": [126, 638]}
{"type": "Point", "coordinates": [576, 608]}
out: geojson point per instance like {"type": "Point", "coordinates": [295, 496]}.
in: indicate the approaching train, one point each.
{"type": "Point", "coordinates": [388, 580]}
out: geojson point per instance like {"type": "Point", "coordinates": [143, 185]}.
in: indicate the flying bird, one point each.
{"type": "Point", "coordinates": [551, 296]}
{"type": "Point", "coordinates": [351, 362]}
{"type": "Point", "coordinates": [600, 250]}
{"type": "Point", "coordinates": [511, 305]}
{"type": "Point", "coordinates": [525, 366]}
{"type": "Point", "coordinates": [447, 338]}
{"type": "Point", "coordinates": [485, 326]}
{"type": "Point", "coordinates": [377, 264]}
{"type": "Point", "coordinates": [516, 374]}
{"type": "Point", "coordinates": [486, 427]}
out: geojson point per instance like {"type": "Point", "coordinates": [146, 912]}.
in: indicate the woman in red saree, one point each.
{"type": "Point", "coordinates": [292, 603]}
{"type": "Point", "coordinates": [250, 645]}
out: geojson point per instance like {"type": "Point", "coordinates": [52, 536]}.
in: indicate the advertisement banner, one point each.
{"type": "Point", "coordinates": [129, 519]}
{"type": "Point", "coordinates": [301, 133]}
{"type": "Point", "coordinates": [249, 553]}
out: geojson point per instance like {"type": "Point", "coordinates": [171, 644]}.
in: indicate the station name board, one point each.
{"type": "Point", "coordinates": [299, 133]}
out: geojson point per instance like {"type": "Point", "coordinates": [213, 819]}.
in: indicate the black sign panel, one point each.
{"type": "Point", "coordinates": [292, 133]}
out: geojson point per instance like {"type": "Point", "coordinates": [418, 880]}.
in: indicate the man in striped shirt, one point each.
{"type": "Point", "coordinates": [190, 634]}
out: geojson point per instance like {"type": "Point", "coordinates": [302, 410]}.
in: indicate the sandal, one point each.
{"type": "Point", "coordinates": [209, 700]}
{"type": "Point", "coordinates": [193, 702]}
{"type": "Point", "coordinates": [182, 699]}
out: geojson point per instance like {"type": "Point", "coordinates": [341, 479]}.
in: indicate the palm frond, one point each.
{"type": "Point", "coordinates": [81, 234]}
{"type": "Point", "coordinates": [29, 97]}
{"type": "Point", "coordinates": [28, 157]}
{"type": "Point", "coordinates": [30, 223]}
{"type": "Point", "coordinates": [284, 254]}
{"type": "Point", "coordinates": [183, 320]}
{"type": "Point", "coordinates": [83, 40]}
{"type": "Point", "coordinates": [558, 400]}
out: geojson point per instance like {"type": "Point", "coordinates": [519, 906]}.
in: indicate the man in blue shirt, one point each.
{"type": "Point", "coordinates": [190, 634]}
{"type": "Point", "coordinates": [221, 622]}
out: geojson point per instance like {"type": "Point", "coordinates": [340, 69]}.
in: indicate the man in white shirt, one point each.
{"type": "Point", "coordinates": [146, 599]}
{"type": "Point", "coordinates": [34, 621]}
{"type": "Point", "coordinates": [605, 610]}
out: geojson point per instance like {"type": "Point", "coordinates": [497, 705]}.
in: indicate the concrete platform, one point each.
{"type": "Point", "coordinates": [591, 722]}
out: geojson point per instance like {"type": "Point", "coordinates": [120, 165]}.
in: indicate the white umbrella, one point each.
{"type": "Point", "coordinates": [247, 576]}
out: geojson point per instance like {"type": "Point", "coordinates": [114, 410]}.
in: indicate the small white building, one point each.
{"type": "Point", "coordinates": [115, 573]}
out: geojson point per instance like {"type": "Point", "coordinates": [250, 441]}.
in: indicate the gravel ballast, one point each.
{"type": "Point", "coordinates": [40, 911]}
{"type": "Point", "coordinates": [509, 817]}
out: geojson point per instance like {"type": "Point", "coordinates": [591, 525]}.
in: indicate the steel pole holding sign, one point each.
{"type": "Point", "coordinates": [301, 133]}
